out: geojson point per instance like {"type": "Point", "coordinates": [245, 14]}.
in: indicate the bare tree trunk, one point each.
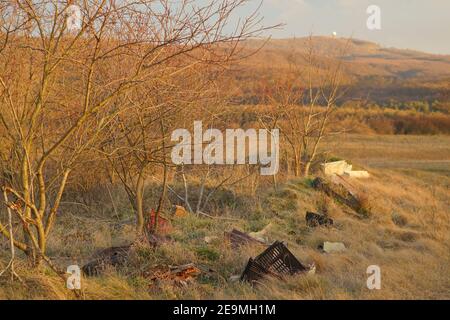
{"type": "Point", "coordinates": [10, 265]}
{"type": "Point", "coordinates": [164, 184]}
{"type": "Point", "coordinates": [297, 163]}
{"type": "Point", "coordinates": [288, 164]}
{"type": "Point", "coordinates": [307, 168]}
{"type": "Point", "coordinates": [30, 252]}
{"type": "Point", "coordinates": [202, 190]}
{"type": "Point", "coordinates": [139, 202]}
{"type": "Point", "coordinates": [186, 191]}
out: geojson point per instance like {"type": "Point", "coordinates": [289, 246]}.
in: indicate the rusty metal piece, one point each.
{"type": "Point", "coordinates": [275, 261]}
{"type": "Point", "coordinates": [238, 238]}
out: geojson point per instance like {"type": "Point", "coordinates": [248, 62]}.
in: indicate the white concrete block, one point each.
{"type": "Point", "coordinates": [336, 167]}
{"type": "Point", "coordinates": [357, 174]}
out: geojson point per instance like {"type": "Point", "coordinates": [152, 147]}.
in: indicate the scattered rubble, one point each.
{"type": "Point", "coordinates": [315, 220]}
{"type": "Point", "coordinates": [180, 275]}
{"type": "Point", "coordinates": [332, 247]}
{"type": "Point", "coordinates": [276, 261]}
{"type": "Point", "coordinates": [343, 168]}
{"type": "Point", "coordinates": [238, 238]}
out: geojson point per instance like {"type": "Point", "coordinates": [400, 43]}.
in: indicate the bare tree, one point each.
{"type": "Point", "coordinates": [139, 139]}
{"type": "Point", "coordinates": [60, 88]}
{"type": "Point", "coordinates": [304, 101]}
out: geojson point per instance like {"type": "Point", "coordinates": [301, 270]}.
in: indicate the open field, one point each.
{"type": "Point", "coordinates": [407, 235]}
{"type": "Point", "coordinates": [425, 153]}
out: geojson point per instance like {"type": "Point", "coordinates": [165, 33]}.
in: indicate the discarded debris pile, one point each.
{"type": "Point", "coordinates": [275, 261]}
{"type": "Point", "coordinates": [179, 275]}
{"type": "Point", "coordinates": [315, 220]}
{"type": "Point", "coordinates": [343, 194]}
{"type": "Point", "coordinates": [238, 238]}
{"type": "Point", "coordinates": [114, 256]}
{"type": "Point", "coordinates": [343, 168]}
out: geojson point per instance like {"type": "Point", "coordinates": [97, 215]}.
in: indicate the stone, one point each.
{"type": "Point", "coordinates": [333, 247]}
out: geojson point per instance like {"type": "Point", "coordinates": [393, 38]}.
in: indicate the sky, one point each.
{"type": "Point", "coordinates": [422, 25]}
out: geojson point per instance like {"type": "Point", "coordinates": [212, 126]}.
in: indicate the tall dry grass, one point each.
{"type": "Point", "coordinates": [407, 235]}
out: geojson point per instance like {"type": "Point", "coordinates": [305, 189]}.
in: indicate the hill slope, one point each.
{"type": "Point", "coordinates": [381, 73]}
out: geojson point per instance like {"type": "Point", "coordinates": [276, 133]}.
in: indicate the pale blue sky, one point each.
{"type": "Point", "coordinates": [414, 24]}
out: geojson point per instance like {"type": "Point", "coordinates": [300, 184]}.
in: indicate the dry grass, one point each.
{"type": "Point", "coordinates": [407, 235]}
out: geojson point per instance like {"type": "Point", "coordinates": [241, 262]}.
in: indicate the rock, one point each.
{"type": "Point", "coordinates": [333, 247]}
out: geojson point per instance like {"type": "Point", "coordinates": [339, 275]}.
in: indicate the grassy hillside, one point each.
{"type": "Point", "coordinates": [366, 58]}
{"type": "Point", "coordinates": [406, 235]}
{"type": "Point", "coordinates": [378, 73]}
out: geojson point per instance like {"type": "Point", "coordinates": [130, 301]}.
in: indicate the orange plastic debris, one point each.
{"type": "Point", "coordinates": [179, 274]}
{"type": "Point", "coordinates": [180, 212]}
{"type": "Point", "coordinates": [163, 225]}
